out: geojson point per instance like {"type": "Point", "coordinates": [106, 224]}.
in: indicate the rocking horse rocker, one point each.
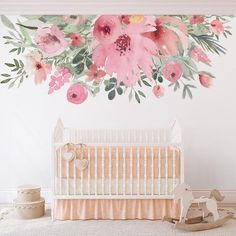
{"type": "Point", "coordinates": [208, 205]}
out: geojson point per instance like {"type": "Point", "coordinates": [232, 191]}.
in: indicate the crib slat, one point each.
{"type": "Point", "coordinates": [174, 166]}
{"type": "Point", "coordinates": [95, 170]}
{"type": "Point", "coordinates": [152, 169]}
{"type": "Point", "coordinates": [103, 186]}
{"type": "Point", "coordinates": [82, 175]}
{"type": "Point", "coordinates": [89, 155]}
{"type": "Point", "coordinates": [138, 174]}
{"type": "Point", "coordinates": [145, 171]}
{"type": "Point", "coordinates": [159, 170]}
{"type": "Point", "coordinates": [124, 170]}
{"type": "Point", "coordinates": [60, 171]}
{"type": "Point", "coordinates": [67, 177]}
{"type": "Point", "coordinates": [117, 171]}
{"type": "Point", "coordinates": [110, 154]}
{"type": "Point", "coordinates": [131, 170]}
{"type": "Point", "coordinates": [166, 170]}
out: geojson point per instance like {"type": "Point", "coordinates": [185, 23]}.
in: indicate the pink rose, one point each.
{"type": "Point", "coordinates": [77, 93]}
{"type": "Point", "coordinates": [172, 71]}
{"type": "Point", "coordinates": [106, 28]}
{"type": "Point", "coordinates": [51, 40]}
{"type": "Point", "coordinates": [205, 80]}
{"type": "Point", "coordinates": [158, 91]}
{"type": "Point", "coordinates": [196, 19]}
{"type": "Point", "coordinates": [198, 55]}
{"type": "Point", "coordinates": [217, 27]}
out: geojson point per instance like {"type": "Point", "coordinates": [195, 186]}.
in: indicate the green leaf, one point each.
{"type": "Point", "coordinates": [130, 95]}
{"type": "Point", "coordinates": [141, 93]}
{"type": "Point", "coordinates": [79, 68]}
{"type": "Point", "coordinates": [7, 22]}
{"type": "Point", "coordinates": [11, 84]}
{"type": "Point", "coordinates": [5, 81]}
{"type": "Point", "coordinates": [119, 90]}
{"type": "Point", "coordinates": [88, 63]}
{"type": "Point", "coordinates": [13, 50]}
{"type": "Point", "coordinates": [78, 58]}
{"type": "Point", "coordinates": [137, 97]}
{"type": "Point", "coordinates": [7, 37]}
{"type": "Point", "coordinates": [16, 63]}
{"type": "Point", "coordinates": [111, 94]}
{"type": "Point", "coordinates": [5, 75]}
{"type": "Point", "coordinates": [27, 26]}
{"type": "Point", "coordinates": [9, 64]}
{"type": "Point", "coordinates": [146, 83]}
{"type": "Point", "coordinates": [184, 92]}
{"type": "Point", "coordinates": [113, 80]}
{"type": "Point", "coordinates": [160, 79]}
{"type": "Point", "coordinates": [109, 87]}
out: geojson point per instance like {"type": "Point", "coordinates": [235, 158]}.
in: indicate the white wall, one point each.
{"type": "Point", "coordinates": [28, 116]}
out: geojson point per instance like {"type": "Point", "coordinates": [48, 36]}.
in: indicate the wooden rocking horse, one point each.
{"type": "Point", "coordinates": [184, 193]}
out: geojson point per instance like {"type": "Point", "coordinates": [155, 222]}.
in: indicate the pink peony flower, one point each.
{"type": "Point", "coordinates": [196, 19]}
{"type": "Point", "coordinates": [106, 28]}
{"type": "Point", "coordinates": [76, 39]}
{"type": "Point", "coordinates": [73, 19]}
{"type": "Point", "coordinates": [58, 79]}
{"type": "Point", "coordinates": [126, 53]}
{"type": "Point", "coordinates": [198, 55]}
{"type": "Point", "coordinates": [168, 38]}
{"type": "Point", "coordinates": [158, 91]}
{"type": "Point", "coordinates": [37, 68]}
{"type": "Point", "coordinates": [205, 80]}
{"type": "Point", "coordinates": [217, 27]}
{"type": "Point", "coordinates": [50, 40]}
{"type": "Point", "coordinates": [77, 93]}
{"type": "Point", "coordinates": [172, 71]}
{"type": "Point", "coordinates": [94, 73]}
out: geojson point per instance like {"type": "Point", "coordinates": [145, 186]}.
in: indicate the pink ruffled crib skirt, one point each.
{"type": "Point", "coordinates": [152, 209]}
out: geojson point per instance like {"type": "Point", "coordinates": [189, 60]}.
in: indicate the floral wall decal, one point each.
{"type": "Point", "coordinates": [117, 54]}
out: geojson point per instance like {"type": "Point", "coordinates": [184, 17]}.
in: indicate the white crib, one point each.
{"type": "Point", "coordinates": [118, 164]}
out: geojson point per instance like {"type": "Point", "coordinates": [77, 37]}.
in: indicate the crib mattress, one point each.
{"type": "Point", "coordinates": [74, 186]}
{"type": "Point", "coordinates": [115, 209]}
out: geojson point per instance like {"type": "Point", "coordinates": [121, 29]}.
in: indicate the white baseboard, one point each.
{"type": "Point", "coordinates": [7, 195]}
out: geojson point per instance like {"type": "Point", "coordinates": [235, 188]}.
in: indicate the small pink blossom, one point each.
{"type": "Point", "coordinates": [94, 73]}
{"type": "Point", "coordinates": [172, 71]}
{"type": "Point", "coordinates": [196, 19]}
{"type": "Point", "coordinates": [77, 93]}
{"type": "Point", "coordinates": [126, 54]}
{"type": "Point", "coordinates": [73, 19]}
{"type": "Point", "coordinates": [158, 91]}
{"type": "Point", "coordinates": [51, 40]}
{"type": "Point", "coordinates": [106, 28]}
{"type": "Point", "coordinates": [205, 80]}
{"type": "Point", "coordinates": [124, 19]}
{"type": "Point", "coordinates": [217, 27]}
{"type": "Point", "coordinates": [36, 67]}
{"type": "Point", "coordinates": [199, 55]}
{"type": "Point", "coordinates": [76, 39]}
{"type": "Point", "coordinates": [58, 79]}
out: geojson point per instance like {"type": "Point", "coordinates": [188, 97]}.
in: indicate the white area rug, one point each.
{"type": "Point", "coordinates": [11, 226]}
